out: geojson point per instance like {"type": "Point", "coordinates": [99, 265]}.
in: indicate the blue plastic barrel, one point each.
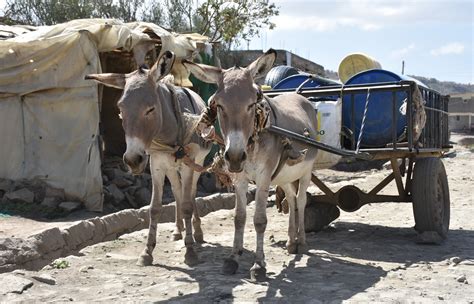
{"type": "Point", "coordinates": [294, 81]}
{"type": "Point", "coordinates": [378, 124]}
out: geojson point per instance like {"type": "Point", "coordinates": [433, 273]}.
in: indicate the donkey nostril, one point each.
{"type": "Point", "coordinates": [139, 158]}
{"type": "Point", "coordinates": [244, 156]}
{"type": "Point", "coordinates": [226, 156]}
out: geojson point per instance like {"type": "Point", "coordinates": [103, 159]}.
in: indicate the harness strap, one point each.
{"type": "Point", "coordinates": [179, 153]}
{"type": "Point", "coordinates": [191, 99]}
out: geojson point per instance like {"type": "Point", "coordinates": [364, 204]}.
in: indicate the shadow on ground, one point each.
{"type": "Point", "coordinates": [340, 264]}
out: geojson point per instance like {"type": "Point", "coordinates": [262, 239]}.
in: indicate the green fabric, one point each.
{"type": "Point", "coordinates": [206, 90]}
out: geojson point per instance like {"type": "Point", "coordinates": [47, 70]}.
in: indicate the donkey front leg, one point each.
{"type": "Point", "coordinates": [231, 264]}
{"type": "Point", "coordinates": [158, 178]}
{"type": "Point", "coordinates": [258, 271]}
{"type": "Point", "coordinates": [176, 187]}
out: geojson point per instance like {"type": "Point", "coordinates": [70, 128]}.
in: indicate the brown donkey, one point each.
{"type": "Point", "coordinates": [254, 154]}
{"type": "Point", "coordinates": [151, 121]}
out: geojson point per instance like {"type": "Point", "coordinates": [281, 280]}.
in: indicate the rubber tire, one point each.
{"type": "Point", "coordinates": [278, 73]}
{"type": "Point", "coordinates": [430, 193]}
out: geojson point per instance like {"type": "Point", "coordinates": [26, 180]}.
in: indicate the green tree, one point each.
{"type": "Point", "coordinates": [227, 21]}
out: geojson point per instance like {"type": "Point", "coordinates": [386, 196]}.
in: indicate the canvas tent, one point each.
{"type": "Point", "coordinates": [49, 115]}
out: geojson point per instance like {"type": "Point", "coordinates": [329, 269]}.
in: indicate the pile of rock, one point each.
{"type": "Point", "coordinates": [34, 196]}
{"type": "Point", "coordinates": [123, 190]}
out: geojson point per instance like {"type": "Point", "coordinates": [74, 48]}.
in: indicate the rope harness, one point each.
{"type": "Point", "coordinates": [263, 108]}
{"type": "Point", "coordinates": [186, 126]}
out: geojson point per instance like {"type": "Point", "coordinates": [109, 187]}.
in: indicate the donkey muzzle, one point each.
{"type": "Point", "coordinates": [135, 161]}
{"type": "Point", "coordinates": [235, 160]}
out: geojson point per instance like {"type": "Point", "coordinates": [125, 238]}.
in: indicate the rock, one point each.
{"type": "Point", "coordinates": [50, 202]}
{"type": "Point", "coordinates": [55, 192]}
{"type": "Point", "coordinates": [45, 278]}
{"type": "Point", "coordinates": [6, 185]}
{"type": "Point", "coordinates": [462, 279]}
{"type": "Point", "coordinates": [83, 269]}
{"type": "Point", "coordinates": [131, 190]}
{"type": "Point", "coordinates": [19, 272]}
{"type": "Point", "coordinates": [21, 196]}
{"type": "Point", "coordinates": [131, 200]}
{"type": "Point", "coordinates": [117, 173]}
{"type": "Point", "coordinates": [13, 284]}
{"type": "Point", "coordinates": [455, 260]}
{"type": "Point", "coordinates": [317, 215]}
{"type": "Point", "coordinates": [116, 193]}
{"type": "Point", "coordinates": [122, 182]}
{"type": "Point", "coordinates": [70, 206]}
{"type": "Point", "coordinates": [143, 196]}
{"type": "Point", "coordinates": [146, 177]}
{"type": "Point", "coordinates": [208, 183]}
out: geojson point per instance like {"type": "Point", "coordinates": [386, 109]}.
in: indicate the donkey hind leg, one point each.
{"type": "Point", "coordinates": [301, 205]}
{"type": "Point", "coordinates": [258, 270]}
{"type": "Point", "coordinates": [176, 187]}
{"type": "Point", "coordinates": [187, 175]}
{"type": "Point", "coordinates": [198, 234]}
{"type": "Point", "coordinates": [231, 264]}
{"type": "Point", "coordinates": [158, 177]}
{"type": "Point", "coordinates": [290, 193]}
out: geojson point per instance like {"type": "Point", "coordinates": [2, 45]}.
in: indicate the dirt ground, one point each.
{"type": "Point", "coordinates": [368, 255]}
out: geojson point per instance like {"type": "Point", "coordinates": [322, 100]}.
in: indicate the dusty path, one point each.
{"type": "Point", "coordinates": [369, 255]}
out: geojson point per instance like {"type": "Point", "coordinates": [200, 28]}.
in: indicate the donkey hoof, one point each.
{"type": "Point", "coordinates": [230, 266]}
{"type": "Point", "coordinates": [177, 236]}
{"type": "Point", "coordinates": [191, 258]}
{"type": "Point", "coordinates": [292, 248]}
{"type": "Point", "coordinates": [145, 260]}
{"type": "Point", "coordinates": [258, 273]}
{"type": "Point", "coordinates": [199, 238]}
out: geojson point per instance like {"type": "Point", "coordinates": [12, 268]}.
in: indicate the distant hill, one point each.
{"type": "Point", "coordinates": [444, 87]}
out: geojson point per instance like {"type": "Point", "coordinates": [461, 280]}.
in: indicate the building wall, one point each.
{"type": "Point", "coordinates": [461, 122]}
{"type": "Point", "coordinates": [244, 58]}
{"type": "Point", "coordinates": [461, 113]}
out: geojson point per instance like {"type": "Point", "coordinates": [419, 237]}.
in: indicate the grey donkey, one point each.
{"type": "Point", "coordinates": [150, 122]}
{"type": "Point", "coordinates": [254, 154]}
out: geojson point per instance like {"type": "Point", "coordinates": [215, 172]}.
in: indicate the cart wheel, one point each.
{"type": "Point", "coordinates": [430, 194]}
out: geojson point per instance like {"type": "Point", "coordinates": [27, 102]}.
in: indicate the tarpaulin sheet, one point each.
{"type": "Point", "coordinates": [49, 114]}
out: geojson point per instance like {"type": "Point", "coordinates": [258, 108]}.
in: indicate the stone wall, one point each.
{"type": "Point", "coordinates": [41, 249]}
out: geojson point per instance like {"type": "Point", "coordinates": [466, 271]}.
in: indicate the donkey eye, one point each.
{"type": "Point", "coordinates": [150, 110]}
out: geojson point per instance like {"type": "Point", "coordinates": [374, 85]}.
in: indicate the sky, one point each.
{"type": "Point", "coordinates": [433, 37]}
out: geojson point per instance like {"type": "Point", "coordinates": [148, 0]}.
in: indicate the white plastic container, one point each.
{"type": "Point", "coordinates": [329, 114]}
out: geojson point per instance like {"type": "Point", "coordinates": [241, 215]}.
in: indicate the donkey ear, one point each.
{"type": "Point", "coordinates": [263, 64]}
{"type": "Point", "coordinates": [203, 72]}
{"type": "Point", "coordinates": [109, 79]}
{"type": "Point", "coordinates": [162, 66]}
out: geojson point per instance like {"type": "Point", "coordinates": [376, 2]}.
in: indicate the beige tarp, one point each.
{"type": "Point", "coordinates": [49, 115]}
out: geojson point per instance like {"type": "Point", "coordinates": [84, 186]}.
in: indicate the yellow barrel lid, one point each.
{"type": "Point", "coordinates": [355, 63]}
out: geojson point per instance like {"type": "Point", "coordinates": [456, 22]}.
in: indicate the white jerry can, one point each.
{"type": "Point", "coordinates": [329, 115]}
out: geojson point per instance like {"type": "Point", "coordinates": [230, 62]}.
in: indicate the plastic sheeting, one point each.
{"type": "Point", "coordinates": [49, 115]}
